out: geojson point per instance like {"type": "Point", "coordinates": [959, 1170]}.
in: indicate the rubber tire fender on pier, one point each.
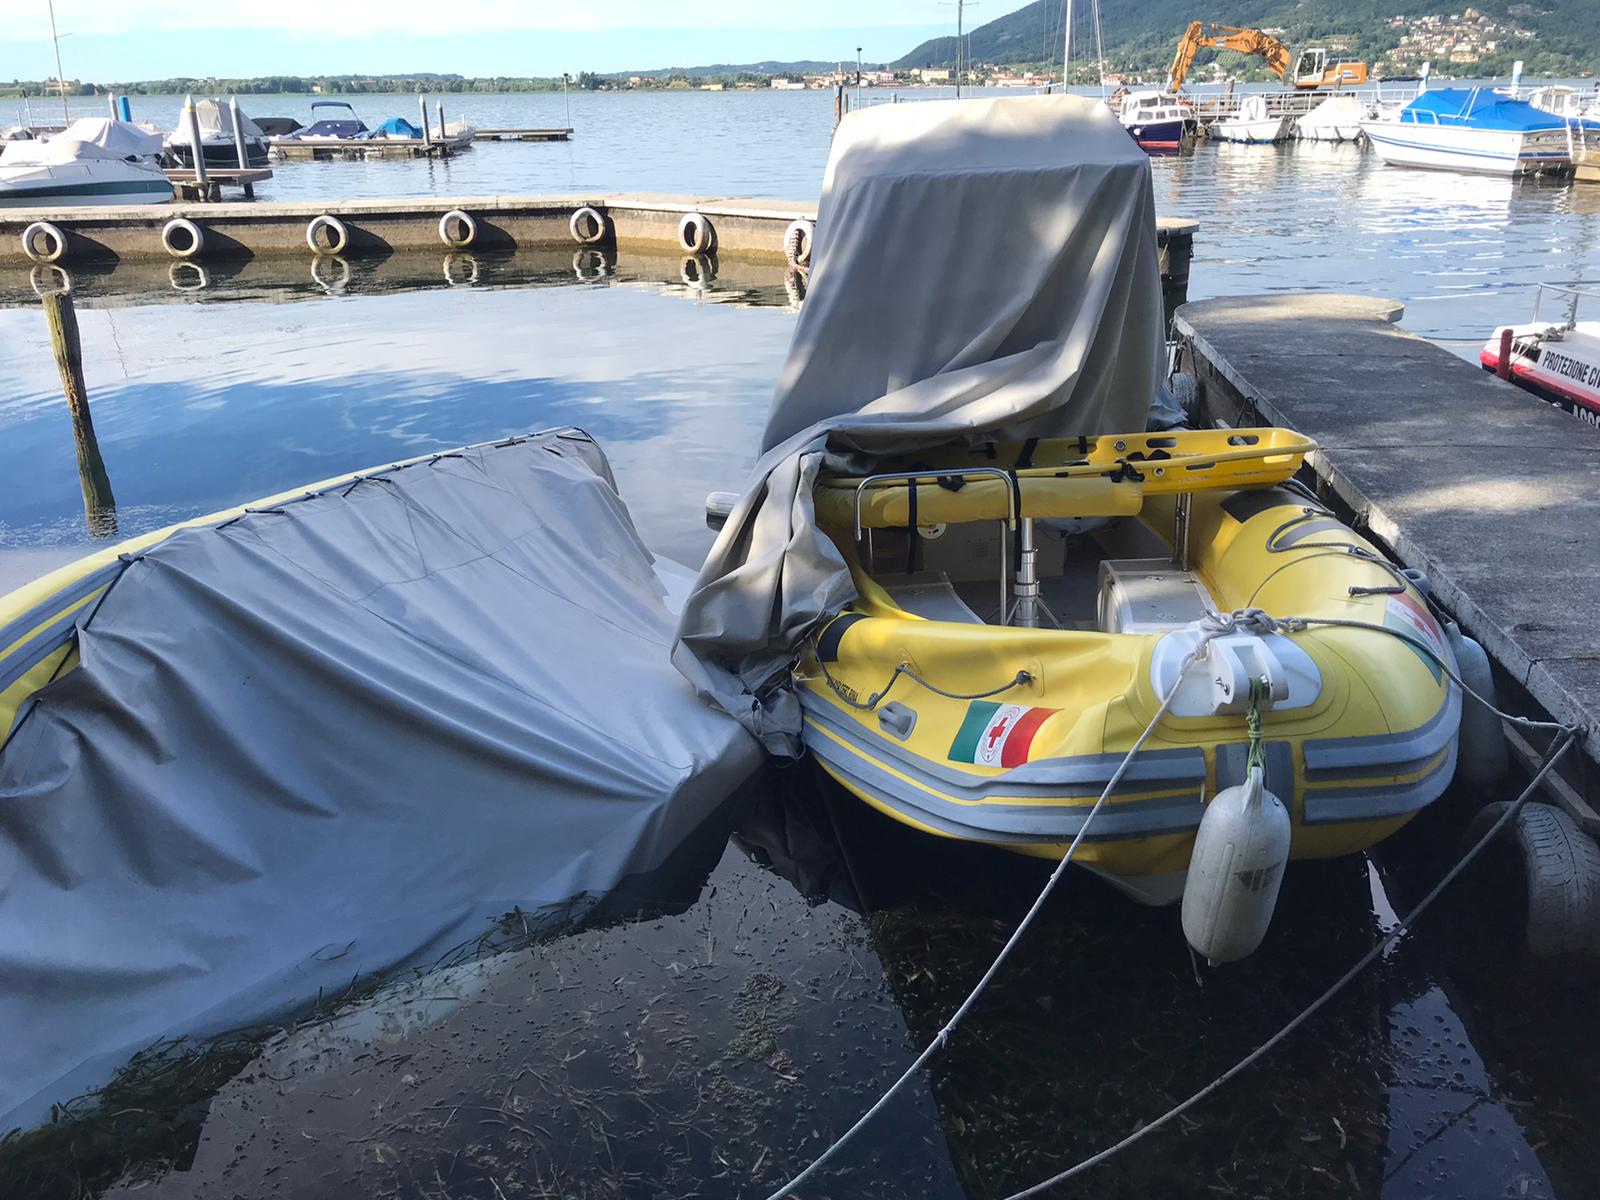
{"type": "Point", "coordinates": [1481, 754]}
{"type": "Point", "coordinates": [197, 237]}
{"type": "Point", "coordinates": [797, 243]}
{"type": "Point", "coordinates": [334, 226]}
{"type": "Point", "coordinates": [696, 235]}
{"type": "Point", "coordinates": [49, 231]}
{"type": "Point", "coordinates": [1560, 869]}
{"type": "Point", "coordinates": [588, 226]}
{"type": "Point", "coordinates": [469, 229]}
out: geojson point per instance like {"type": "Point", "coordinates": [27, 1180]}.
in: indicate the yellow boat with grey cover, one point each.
{"type": "Point", "coordinates": [997, 713]}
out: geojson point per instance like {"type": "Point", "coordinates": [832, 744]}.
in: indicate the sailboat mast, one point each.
{"type": "Point", "coordinates": [61, 80]}
{"type": "Point", "coordinates": [1066, 53]}
{"type": "Point", "coordinates": [960, 8]}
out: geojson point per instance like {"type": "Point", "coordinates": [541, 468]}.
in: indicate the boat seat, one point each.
{"type": "Point", "coordinates": [935, 599]}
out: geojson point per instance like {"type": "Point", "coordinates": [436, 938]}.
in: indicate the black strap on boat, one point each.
{"type": "Point", "coordinates": [912, 540]}
{"type": "Point", "coordinates": [1025, 459]}
{"type": "Point", "coordinates": [952, 483]}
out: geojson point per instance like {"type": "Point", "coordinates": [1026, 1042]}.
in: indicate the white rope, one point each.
{"type": "Point", "coordinates": [1366, 960]}
{"type": "Point", "coordinates": [943, 1035]}
{"type": "Point", "coordinates": [1259, 623]}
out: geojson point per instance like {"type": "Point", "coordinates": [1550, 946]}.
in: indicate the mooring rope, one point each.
{"type": "Point", "coordinates": [1214, 625]}
{"type": "Point", "coordinates": [1569, 736]}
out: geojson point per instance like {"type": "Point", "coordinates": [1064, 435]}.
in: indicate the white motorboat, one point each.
{"type": "Point", "coordinates": [93, 161]}
{"type": "Point", "coordinates": [1558, 361]}
{"type": "Point", "coordinates": [1252, 124]}
{"type": "Point", "coordinates": [216, 139]}
{"type": "Point", "coordinates": [1336, 119]}
{"type": "Point", "coordinates": [1473, 129]}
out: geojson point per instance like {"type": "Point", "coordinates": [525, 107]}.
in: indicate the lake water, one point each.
{"type": "Point", "coordinates": [809, 946]}
{"type": "Point", "coordinates": [1463, 252]}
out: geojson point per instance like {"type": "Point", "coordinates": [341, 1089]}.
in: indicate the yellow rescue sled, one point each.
{"type": "Point", "coordinates": [1025, 608]}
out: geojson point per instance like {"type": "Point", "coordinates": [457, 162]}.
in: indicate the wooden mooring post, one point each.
{"type": "Point", "coordinates": [99, 505]}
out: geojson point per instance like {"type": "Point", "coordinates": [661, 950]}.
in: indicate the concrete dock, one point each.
{"type": "Point", "coordinates": [1492, 493]}
{"type": "Point", "coordinates": [739, 228]}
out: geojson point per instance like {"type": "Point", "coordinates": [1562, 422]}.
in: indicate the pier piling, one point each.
{"type": "Point", "coordinates": [238, 134]}
{"type": "Point", "coordinates": [99, 505]}
{"type": "Point", "coordinates": [191, 121]}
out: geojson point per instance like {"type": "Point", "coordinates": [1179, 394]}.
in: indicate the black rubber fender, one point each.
{"type": "Point", "coordinates": [1559, 869]}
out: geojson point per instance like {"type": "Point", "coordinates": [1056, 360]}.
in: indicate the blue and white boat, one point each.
{"type": "Point", "coordinates": [1476, 130]}
{"type": "Point", "coordinates": [92, 161]}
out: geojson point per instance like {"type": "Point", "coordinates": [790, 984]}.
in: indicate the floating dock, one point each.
{"type": "Point", "coordinates": [329, 148]}
{"type": "Point", "coordinates": [522, 135]}
{"type": "Point", "coordinates": [1490, 492]}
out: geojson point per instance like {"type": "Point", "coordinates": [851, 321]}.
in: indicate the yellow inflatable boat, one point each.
{"type": "Point", "coordinates": [1025, 609]}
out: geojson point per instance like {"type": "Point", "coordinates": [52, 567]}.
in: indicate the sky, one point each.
{"type": "Point", "coordinates": [126, 40]}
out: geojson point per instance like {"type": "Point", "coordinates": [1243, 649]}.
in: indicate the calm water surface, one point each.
{"type": "Point", "coordinates": [800, 956]}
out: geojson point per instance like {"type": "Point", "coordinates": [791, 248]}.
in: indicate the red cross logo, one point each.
{"type": "Point", "coordinates": [997, 732]}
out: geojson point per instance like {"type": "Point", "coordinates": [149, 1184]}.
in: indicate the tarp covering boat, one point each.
{"type": "Point", "coordinates": [982, 269]}
{"type": "Point", "coordinates": [395, 127]}
{"type": "Point", "coordinates": [87, 137]}
{"type": "Point", "coordinates": [214, 122]}
{"type": "Point", "coordinates": [1477, 108]}
{"type": "Point", "coordinates": [332, 736]}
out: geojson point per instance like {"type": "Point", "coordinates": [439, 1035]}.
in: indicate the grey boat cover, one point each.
{"type": "Point", "coordinates": [339, 736]}
{"type": "Point", "coordinates": [87, 137]}
{"type": "Point", "coordinates": [982, 270]}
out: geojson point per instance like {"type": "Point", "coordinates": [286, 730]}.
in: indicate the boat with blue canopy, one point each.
{"type": "Point", "coordinates": [1476, 130]}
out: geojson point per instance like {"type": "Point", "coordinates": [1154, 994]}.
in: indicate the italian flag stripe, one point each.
{"type": "Point", "coordinates": [979, 714]}
{"type": "Point", "coordinates": [1020, 740]}
{"type": "Point", "coordinates": [997, 735]}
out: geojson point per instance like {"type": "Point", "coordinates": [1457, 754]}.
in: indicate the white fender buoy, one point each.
{"type": "Point", "coordinates": [1481, 754]}
{"type": "Point", "coordinates": [54, 246]}
{"type": "Point", "coordinates": [336, 231]}
{"type": "Point", "coordinates": [182, 238]}
{"type": "Point", "coordinates": [797, 243]}
{"type": "Point", "coordinates": [695, 234]}
{"type": "Point", "coordinates": [589, 265]}
{"type": "Point", "coordinates": [457, 229]}
{"type": "Point", "coordinates": [1240, 853]}
{"type": "Point", "coordinates": [588, 226]}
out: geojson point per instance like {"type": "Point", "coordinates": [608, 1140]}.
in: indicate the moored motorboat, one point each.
{"type": "Point", "coordinates": [996, 619]}
{"type": "Point", "coordinates": [1558, 361]}
{"type": "Point", "coordinates": [93, 161]}
{"type": "Point", "coordinates": [218, 148]}
{"type": "Point", "coordinates": [1156, 120]}
{"type": "Point", "coordinates": [1472, 129]}
{"type": "Point", "coordinates": [1006, 723]}
{"type": "Point", "coordinates": [1336, 119]}
{"type": "Point", "coordinates": [1252, 123]}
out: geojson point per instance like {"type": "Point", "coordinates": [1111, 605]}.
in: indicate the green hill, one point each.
{"type": "Point", "coordinates": [1140, 35]}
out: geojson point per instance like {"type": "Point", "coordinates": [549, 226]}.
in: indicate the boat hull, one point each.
{"type": "Point", "coordinates": [1329, 133]}
{"type": "Point", "coordinates": [1253, 132]}
{"type": "Point", "coordinates": [1565, 373]}
{"type": "Point", "coordinates": [1477, 151]}
{"type": "Point", "coordinates": [1366, 740]}
{"type": "Point", "coordinates": [94, 182]}
{"type": "Point", "coordinates": [222, 155]}
{"type": "Point", "coordinates": [1158, 135]}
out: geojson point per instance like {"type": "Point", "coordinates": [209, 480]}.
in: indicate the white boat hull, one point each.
{"type": "Point", "coordinates": [1267, 130]}
{"type": "Point", "coordinates": [1561, 366]}
{"type": "Point", "coordinates": [1330, 133]}
{"type": "Point", "coordinates": [96, 182]}
{"type": "Point", "coordinates": [1458, 148]}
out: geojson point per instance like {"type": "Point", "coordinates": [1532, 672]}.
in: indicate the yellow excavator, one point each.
{"type": "Point", "coordinates": [1311, 69]}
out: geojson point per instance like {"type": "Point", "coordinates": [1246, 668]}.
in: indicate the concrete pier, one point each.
{"type": "Point", "coordinates": [1492, 493]}
{"type": "Point", "coordinates": [744, 228]}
